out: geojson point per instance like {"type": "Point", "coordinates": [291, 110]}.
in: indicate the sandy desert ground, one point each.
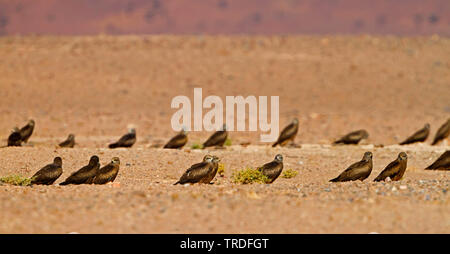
{"type": "Point", "coordinates": [96, 86]}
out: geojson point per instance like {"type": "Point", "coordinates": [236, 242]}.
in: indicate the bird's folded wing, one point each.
{"type": "Point", "coordinates": [272, 168]}
{"type": "Point", "coordinates": [287, 132]}
{"type": "Point", "coordinates": [390, 170]}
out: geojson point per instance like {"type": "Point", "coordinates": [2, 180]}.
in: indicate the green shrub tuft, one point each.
{"type": "Point", "coordinates": [227, 142]}
{"type": "Point", "coordinates": [197, 146]}
{"type": "Point", "coordinates": [249, 175]}
{"type": "Point", "coordinates": [289, 173]}
{"type": "Point", "coordinates": [16, 180]}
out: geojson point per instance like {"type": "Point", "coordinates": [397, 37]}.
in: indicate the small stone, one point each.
{"type": "Point", "coordinates": [403, 187]}
{"type": "Point", "coordinates": [313, 115]}
{"type": "Point", "coordinates": [253, 195]}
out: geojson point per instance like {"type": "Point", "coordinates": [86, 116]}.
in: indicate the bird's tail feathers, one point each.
{"type": "Point", "coordinates": [113, 145]}
{"type": "Point", "coordinates": [334, 179]}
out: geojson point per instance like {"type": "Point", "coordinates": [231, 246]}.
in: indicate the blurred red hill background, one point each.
{"type": "Point", "coordinates": [72, 17]}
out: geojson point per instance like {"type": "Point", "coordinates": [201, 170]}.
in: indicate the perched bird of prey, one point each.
{"type": "Point", "coordinates": [84, 175]}
{"type": "Point", "coordinates": [48, 174]}
{"type": "Point", "coordinates": [126, 140]}
{"type": "Point", "coordinates": [69, 142]}
{"type": "Point", "coordinates": [357, 171]}
{"type": "Point", "coordinates": [178, 141]}
{"type": "Point", "coordinates": [419, 136]}
{"type": "Point", "coordinates": [395, 169]}
{"type": "Point", "coordinates": [287, 134]}
{"type": "Point", "coordinates": [272, 169]}
{"type": "Point", "coordinates": [199, 172]}
{"type": "Point", "coordinates": [218, 138]}
{"type": "Point", "coordinates": [107, 173]}
{"type": "Point", "coordinates": [442, 132]}
{"type": "Point", "coordinates": [15, 139]}
{"type": "Point", "coordinates": [27, 130]}
{"type": "Point", "coordinates": [212, 173]}
{"type": "Point", "coordinates": [353, 137]}
{"type": "Point", "coordinates": [442, 163]}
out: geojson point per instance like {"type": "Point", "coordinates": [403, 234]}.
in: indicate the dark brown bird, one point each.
{"type": "Point", "coordinates": [218, 138]}
{"type": "Point", "coordinates": [107, 173]}
{"type": "Point", "coordinates": [27, 130]}
{"type": "Point", "coordinates": [48, 174]}
{"type": "Point", "coordinates": [287, 134]}
{"type": "Point", "coordinates": [84, 175]}
{"type": "Point", "coordinates": [199, 172]}
{"type": "Point", "coordinates": [442, 132]}
{"type": "Point", "coordinates": [272, 169]}
{"type": "Point", "coordinates": [213, 171]}
{"type": "Point", "coordinates": [178, 141]}
{"type": "Point", "coordinates": [395, 169]}
{"type": "Point", "coordinates": [442, 163]}
{"type": "Point", "coordinates": [126, 140]}
{"type": "Point", "coordinates": [357, 171]}
{"type": "Point", "coordinates": [353, 137]}
{"type": "Point", "coordinates": [15, 139]}
{"type": "Point", "coordinates": [419, 136]}
{"type": "Point", "coordinates": [69, 142]}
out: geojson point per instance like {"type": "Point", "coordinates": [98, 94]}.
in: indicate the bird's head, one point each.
{"type": "Point", "coordinates": [365, 134]}
{"type": "Point", "coordinates": [71, 136]}
{"type": "Point", "coordinates": [224, 127]}
{"type": "Point", "coordinates": [132, 130]}
{"type": "Point", "coordinates": [94, 160]}
{"type": "Point", "coordinates": [215, 159]}
{"type": "Point", "coordinates": [279, 158]}
{"type": "Point", "coordinates": [427, 126]}
{"type": "Point", "coordinates": [115, 161]}
{"type": "Point", "coordinates": [57, 161]}
{"type": "Point", "coordinates": [402, 156]}
{"type": "Point", "coordinates": [31, 122]}
{"type": "Point", "coordinates": [208, 158]}
{"type": "Point", "coordinates": [367, 156]}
